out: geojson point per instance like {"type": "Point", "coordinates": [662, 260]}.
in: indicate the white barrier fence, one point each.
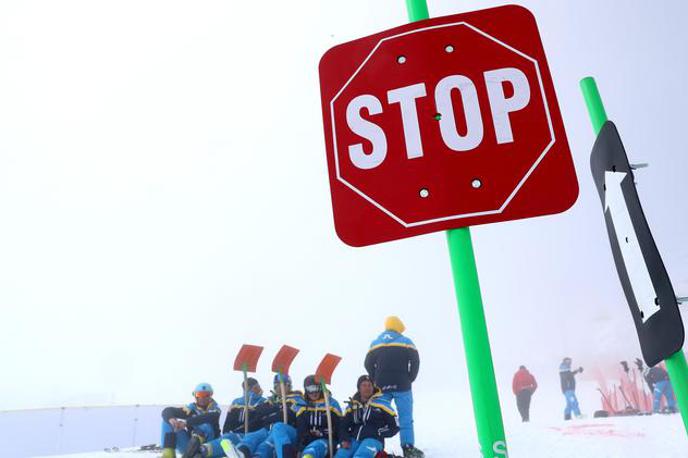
{"type": "Point", "coordinates": [44, 432]}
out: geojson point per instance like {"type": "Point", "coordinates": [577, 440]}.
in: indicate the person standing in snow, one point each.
{"type": "Point", "coordinates": [568, 387]}
{"type": "Point", "coordinates": [523, 385]}
{"type": "Point", "coordinates": [368, 420]}
{"type": "Point", "coordinates": [658, 379]}
{"type": "Point", "coordinates": [196, 422]}
{"type": "Point", "coordinates": [393, 362]}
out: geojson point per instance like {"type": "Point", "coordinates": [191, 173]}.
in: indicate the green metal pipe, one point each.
{"type": "Point", "coordinates": [676, 363]}
{"type": "Point", "coordinates": [678, 373]}
{"type": "Point", "coordinates": [594, 102]}
{"type": "Point", "coordinates": [417, 10]}
{"type": "Point", "coordinates": [476, 343]}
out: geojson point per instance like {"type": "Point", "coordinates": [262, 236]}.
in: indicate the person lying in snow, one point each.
{"type": "Point", "coordinates": [368, 420]}
{"type": "Point", "coordinates": [197, 422]}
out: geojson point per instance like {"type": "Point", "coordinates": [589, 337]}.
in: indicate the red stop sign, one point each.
{"type": "Point", "coordinates": [443, 123]}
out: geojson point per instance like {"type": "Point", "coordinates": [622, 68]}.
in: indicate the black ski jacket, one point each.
{"type": "Point", "coordinates": [270, 412]}
{"type": "Point", "coordinates": [568, 379]}
{"type": "Point", "coordinates": [195, 415]}
{"type": "Point", "coordinates": [392, 362]}
{"type": "Point", "coordinates": [375, 419]}
{"type": "Point", "coordinates": [234, 421]}
{"type": "Point", "coordinates": [654, 375]}
{"type": "Point", "coordinates": [311, 421]}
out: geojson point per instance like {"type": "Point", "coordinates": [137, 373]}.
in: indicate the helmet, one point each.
{"type": "Point", "coordinates": [203, 390]}
{"type": "Point", "coordinates": [310, 385]}
{"type": "Point", "coordinates": [283, 377]}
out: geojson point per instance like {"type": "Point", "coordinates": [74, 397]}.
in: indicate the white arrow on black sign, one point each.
{"type": "Point", "coordinates": [638, 274]}
{"type": "Point", "coordinates": [644, 279]}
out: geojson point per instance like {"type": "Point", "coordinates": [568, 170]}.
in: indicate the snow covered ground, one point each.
{"type": "Point", "coordinates": [628, 437]}
{"type": "Point", "coordinates": [445, 429]}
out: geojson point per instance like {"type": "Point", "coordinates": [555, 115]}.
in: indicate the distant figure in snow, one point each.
{"type": "Point", "coordinates": [524, 385]}
{"type": "Point", "coordinates": [392, 362]}
{"type": "Point", "coordinates": [568, 387]}
{"type": "Point", "coordinates": [658, 380]}
{"type": "Point", "coordinates": [186, 427]}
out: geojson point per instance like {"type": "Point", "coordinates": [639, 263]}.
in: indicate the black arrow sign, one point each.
{"type": "Point", "coordinates": [643, 276]}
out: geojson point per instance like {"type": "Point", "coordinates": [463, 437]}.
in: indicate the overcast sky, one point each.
{"type": "Point", "coordinates": [164, 198]}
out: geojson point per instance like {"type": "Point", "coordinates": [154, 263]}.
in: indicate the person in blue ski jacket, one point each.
{"type": "Point", "coordinates": [658, 379]}
{"type": "Point", "coordinates": [196, 422]}
{"type": "Point", "coordinates": [233, 428]}
{"type": "Point", "coordinates": [312, 421]}
{"type": "Point", "coordinates": [568, 388]}
{"type": "Point", "coordinates": [272, 436]}
{"type": "Point", "coordinates": [393, 362]}
{"type": "Point", "coordinates": [234, 421]}
{"type": "Point", "coordinates": [369, 419]}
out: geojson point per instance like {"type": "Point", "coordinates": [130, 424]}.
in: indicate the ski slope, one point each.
{"type": "Point", "coordinates": [445, 429]}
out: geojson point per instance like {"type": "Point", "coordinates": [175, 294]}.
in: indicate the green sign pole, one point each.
{"type": "Point", "coordinates": [488, 413]}
{"type": "Point", "coordinates": [476, 343]}
{"type": "Point", "coordinates": [676, 363]}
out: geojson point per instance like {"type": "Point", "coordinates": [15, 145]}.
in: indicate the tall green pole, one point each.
{"type": "Point", "coordinates": [476, 343]}
{"type": "Point", "coordinates": [676, 363]}
{"type": "Point", "coordinates": [488, 414]}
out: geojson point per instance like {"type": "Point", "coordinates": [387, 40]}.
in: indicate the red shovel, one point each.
{"type": "Point", "coordinates": [280, 364]}
{"type": "Point", "coordinates": [247, 361]}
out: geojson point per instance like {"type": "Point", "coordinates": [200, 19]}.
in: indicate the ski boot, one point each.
{"type": "Point", "coordinates": [288, 451]}
{"type": "Point", "coordinates": [412, 452]}
{"type": "Point", "coordinates": [169, 453]}
{"type": "Point", "coordinates": [232, 451]}
{"type": "Point", "coordinates": [193, 450]}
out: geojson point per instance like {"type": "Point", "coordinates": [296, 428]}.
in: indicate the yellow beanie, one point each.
{"type": "Point", "coordinates": [393, 323]}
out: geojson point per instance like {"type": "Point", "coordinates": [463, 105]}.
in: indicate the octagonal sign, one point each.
{"type": "Point", "coordinates": [443, 123]}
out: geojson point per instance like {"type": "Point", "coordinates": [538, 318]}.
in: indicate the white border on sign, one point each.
{"type": "Point", "coordinates": [463, 215]}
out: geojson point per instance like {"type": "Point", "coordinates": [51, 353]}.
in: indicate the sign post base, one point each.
{"type": "Point", "coordinates": [678, 374]}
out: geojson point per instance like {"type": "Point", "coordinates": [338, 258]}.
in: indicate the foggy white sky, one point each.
{"type": "Point", "coordinates": [164, 198]}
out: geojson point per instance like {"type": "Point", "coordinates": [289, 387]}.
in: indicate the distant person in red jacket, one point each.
{"type": "Point", "coordinates": [524, 385]}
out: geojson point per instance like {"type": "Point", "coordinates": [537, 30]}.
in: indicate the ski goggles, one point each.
{"type": "Point", "coordinates": [313, 389]}
{"type": "Point", "coordinates": [203, 394]}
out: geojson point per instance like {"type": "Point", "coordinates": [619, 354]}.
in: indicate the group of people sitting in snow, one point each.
{"type": "Point", "coordinates": [524, 385]}
{"type": "Point", "coordinates": [309, 424]}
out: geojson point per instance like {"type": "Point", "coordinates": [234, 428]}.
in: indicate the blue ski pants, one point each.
{"type": "Point", "coordinates": [317, 449]}
{"type": "Point", "coordinates": [367, 448]}
{"type": "Point", "coordinates": [571, 404]}
{"type": "Point", "coordinates": [251, 441]}
{"type": "Point", "coordinates": [182, 437]}
{"type": "Point", "coordinates": [280, 435]}
{"type": "Point", "coordinates": [403, 400]}
{"type": "Point", "coordinates": [663, 388]}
